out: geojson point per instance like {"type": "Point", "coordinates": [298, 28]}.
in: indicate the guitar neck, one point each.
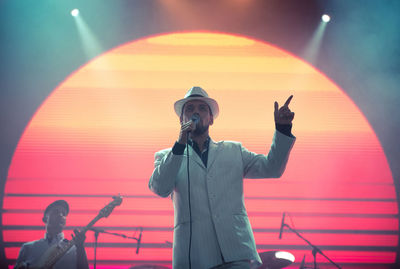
{"type": "Point", "coordinates": [90, 225]}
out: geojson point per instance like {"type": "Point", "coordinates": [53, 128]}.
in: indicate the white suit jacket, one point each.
{"type": "Point", "coordinates": [220, 224]}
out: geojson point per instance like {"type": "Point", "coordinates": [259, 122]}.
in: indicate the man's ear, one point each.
{"type": "Point", "coordinates": [212, 120]}
{"type": "Point", "coordinates": [44, 219]}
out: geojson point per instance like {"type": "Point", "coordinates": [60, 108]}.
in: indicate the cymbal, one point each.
{"type": "Point", "coordinates": [149, 266]}
{"type": "Point", "coordinates": [275, 259]}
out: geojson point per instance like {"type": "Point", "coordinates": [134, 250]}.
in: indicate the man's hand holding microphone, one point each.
{"type": "Point", "coordinates": [188, 127]}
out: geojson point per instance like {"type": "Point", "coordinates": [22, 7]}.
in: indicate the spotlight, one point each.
{"type": "Point", "coordinates": [75, 12]}
{"type": "Point", "coordinates": [325, 18]}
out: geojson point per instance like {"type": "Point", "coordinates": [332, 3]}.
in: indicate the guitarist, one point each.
{"type": "Point", "coordinates": [55, 218]}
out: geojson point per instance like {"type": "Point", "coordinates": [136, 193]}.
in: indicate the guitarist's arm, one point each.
{"type": "Point", "coordinates": [20, 264]}
{"type": "Point", "coordinates": [81, 258]}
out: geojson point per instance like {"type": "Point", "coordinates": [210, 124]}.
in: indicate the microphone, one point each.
{"type": "Point", "coordinates": [139, 241]}
{"type": "Point", "coordinates": [282, 225]}
{"type": "Point", "coordinates": [195, 118]}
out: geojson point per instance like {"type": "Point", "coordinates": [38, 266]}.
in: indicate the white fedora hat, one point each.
{"type": "Point", "coordinates": [197, 93]}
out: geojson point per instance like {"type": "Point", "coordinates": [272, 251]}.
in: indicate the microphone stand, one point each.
{"type": "Point", "coordinates": [96, 236]}
{"type": "Point", "coordinates": [315, 249]}
{"type": "Point", "coordinates": [97, 231]}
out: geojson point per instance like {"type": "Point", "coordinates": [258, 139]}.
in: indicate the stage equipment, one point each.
{"type": "Point", "coordinates": [315, 249]}
{"type": "Point", "coordinates": [275, 259]}
{"type": "Point", "coordinates": [97, 231]}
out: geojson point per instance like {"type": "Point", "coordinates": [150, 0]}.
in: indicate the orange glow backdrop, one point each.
{"type": "Point", "coordinates": [95, 136]}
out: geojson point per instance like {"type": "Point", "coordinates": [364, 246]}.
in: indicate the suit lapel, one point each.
{"type": "Point", "coordinates": [194, 156]}
{"type": "Point", "coordinates": [213, 149]}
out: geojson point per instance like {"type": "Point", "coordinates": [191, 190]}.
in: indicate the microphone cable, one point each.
{"type": "Point", "coordinates": [190, 206]}
{"type": "Point", "coordinates": [195, 118]}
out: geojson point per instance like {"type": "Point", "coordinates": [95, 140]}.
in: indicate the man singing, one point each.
{"type": "Point", "coordinates": [212, 229]}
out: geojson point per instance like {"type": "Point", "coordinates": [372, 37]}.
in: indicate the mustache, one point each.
{"type": "Point", "coordinates": [200, 129]}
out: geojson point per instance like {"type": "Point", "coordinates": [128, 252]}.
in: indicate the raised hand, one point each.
{"type": "Point", "coordinates": [283, 115]}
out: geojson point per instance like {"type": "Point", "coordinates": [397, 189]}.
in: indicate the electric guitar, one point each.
{"type": "Point", "coordinates": [54, 253]}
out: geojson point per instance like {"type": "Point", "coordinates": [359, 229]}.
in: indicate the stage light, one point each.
{"type": "Point", "coordinates": [284, 256]}
{"type": "Point", "coordinates": [325, 18]}
{"type": "Point", "coordinates": [75, 12]}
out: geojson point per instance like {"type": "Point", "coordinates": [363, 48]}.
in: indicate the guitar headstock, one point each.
{"type": "Point", "coordinates": [106, 211]}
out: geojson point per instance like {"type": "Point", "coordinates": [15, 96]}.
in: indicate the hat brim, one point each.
{"type": "Point", "coordinates": [178, 106]}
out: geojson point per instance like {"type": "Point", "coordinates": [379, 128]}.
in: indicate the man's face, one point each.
{"type": "Point", "coordinates": [56, 218]}
{"type": "Point", "coordinates": [203, 110]}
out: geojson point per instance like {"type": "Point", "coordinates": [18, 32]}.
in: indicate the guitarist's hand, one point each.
{"type": "Point", "coordinates": [81, 259]}
{"type": "Point", "coordinates": [79, 238]}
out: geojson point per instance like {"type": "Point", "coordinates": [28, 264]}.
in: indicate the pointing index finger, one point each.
{"type": "Point", "coordinates": [288, 101]}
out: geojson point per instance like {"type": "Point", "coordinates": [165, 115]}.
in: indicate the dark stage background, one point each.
{"type": "Point", "coordinates": [360, 52]}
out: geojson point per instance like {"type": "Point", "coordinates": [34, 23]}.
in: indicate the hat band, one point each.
{"type": "Point", "coordinates": [196, 95]}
